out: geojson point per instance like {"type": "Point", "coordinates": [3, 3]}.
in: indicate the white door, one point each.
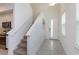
{"type": "Point", "coordinates": [51, 29]}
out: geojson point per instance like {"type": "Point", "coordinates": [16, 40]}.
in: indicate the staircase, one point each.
{"type": "Point", "coordinates": [22, 47]}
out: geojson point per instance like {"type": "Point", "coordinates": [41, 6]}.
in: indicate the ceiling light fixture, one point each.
{"type": "Point", "coordinates": [52, 4]}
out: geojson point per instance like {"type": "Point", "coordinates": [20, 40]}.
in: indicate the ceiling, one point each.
{"type": "Point", "coordinates": [6, 6]}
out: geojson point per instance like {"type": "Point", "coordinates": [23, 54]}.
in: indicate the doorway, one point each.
{"type": "Point", "coordinates": [51, 29]}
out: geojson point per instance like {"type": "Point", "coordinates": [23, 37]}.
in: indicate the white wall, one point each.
{"type": "Point", "coordinates": [69, 41]}
{"type": "Point", "coordinates": [22, 21]}
{"type": "Point", "coordinates": [77, 11]}
{"type": "Point", "coordinates": [35, 36]}
{"type": "Point", "coordinates": [50, 13]}
{"type": "Point", "coordinates": [77, 25]}
{"type": "Point", "coordinates": [22, 12]}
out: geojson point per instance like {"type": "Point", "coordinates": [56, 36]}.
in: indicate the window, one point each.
{"type": "Point", "coordinates": [63, 24]}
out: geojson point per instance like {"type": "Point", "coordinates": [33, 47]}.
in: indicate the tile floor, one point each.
{"type": "Point", "coordinates": [51, 47]}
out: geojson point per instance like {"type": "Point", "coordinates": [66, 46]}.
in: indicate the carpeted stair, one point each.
{"type": "Point", "coordinates": [22, 47]}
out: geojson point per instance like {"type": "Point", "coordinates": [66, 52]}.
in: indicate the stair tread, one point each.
{"type": "Point", "coordinates": [24, 45]}
{"type": "Point", "coordinates": [20, 51]}
{"type": "Point", "coordinates": [24, 40]}
{"type": "Point", "coordinates": [25, 37]}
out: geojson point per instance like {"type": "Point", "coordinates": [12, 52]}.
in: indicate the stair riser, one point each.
{"type": "Point", "coordinates": [22, 47]}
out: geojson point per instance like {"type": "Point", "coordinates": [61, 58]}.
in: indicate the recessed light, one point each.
{"type": "Point", "coordinates": [52, 4]}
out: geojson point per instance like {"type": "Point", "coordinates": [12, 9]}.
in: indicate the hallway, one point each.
{"type": "Point", "coordinates": [51, 47]}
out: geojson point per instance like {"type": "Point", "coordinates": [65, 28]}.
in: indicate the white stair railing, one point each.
{"type": "Point", "coordinates": [35, 36]}
{"type": "Point", "coordinates": [15, 36]}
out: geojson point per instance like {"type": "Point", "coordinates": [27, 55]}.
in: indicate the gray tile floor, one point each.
{"type": "Point", "coordinates": [51, 47]}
